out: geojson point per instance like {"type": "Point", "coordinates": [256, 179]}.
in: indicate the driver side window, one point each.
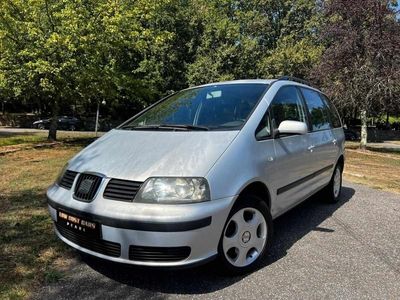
{"type": "Point", "coordinates": [287, 105]}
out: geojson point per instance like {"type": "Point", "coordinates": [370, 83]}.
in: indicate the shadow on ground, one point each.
{"type": "Point", "coordinates": [128, 281]}
{"type": "Point", "coordinates": [81, 142]}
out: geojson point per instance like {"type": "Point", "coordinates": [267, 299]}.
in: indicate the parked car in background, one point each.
{"type": "Point", "coordinates": [63, 123]}
{"type": "Point", "coordinates": [351, 135]}
{"type": "Point", "coordinates": [201, 174]}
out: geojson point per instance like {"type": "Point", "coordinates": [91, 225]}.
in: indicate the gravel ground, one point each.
{"type": "Point", "coordinates": [350, 250]}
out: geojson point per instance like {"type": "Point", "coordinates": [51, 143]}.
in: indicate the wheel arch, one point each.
{"type": "Point", "coordinates": [259, 189]}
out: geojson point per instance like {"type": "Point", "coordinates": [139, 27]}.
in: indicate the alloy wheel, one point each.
{"type": "Point", "coordinates": [337, 182]}
{"type": "Point", "coordinates": [245, 237]}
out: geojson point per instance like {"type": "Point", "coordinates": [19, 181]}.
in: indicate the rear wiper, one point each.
{"type": "Point", "coordinates": [166, 127]}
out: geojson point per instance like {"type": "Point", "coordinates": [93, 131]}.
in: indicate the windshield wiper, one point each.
{"type": "Point", "coordinates": [167, 127]}
{"type": "Point", "coordinates": [186, 126]}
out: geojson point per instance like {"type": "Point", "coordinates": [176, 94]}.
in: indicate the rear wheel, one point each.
{"type": "Point", "coordinates": [246, 236]}
{"type": "Point", "coordinates": [334, 188]}
{"type": "Point", "coordinates": [41, 126]}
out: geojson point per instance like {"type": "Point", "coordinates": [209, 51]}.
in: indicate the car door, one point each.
{"type": "Point", "coordinates": [336, 126]}
{"type": "Point", "coordinates": [323, 144]}
{"type": "Point", "coordinates": [292, 158]}
{"type": "Point", "coordinates": [62, 123]}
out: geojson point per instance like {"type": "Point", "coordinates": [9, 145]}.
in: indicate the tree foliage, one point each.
{"type": "Point", "coordinates": [59, 51]}
{"type": "Point", "coordinates": [125, 52]}
{"type": "Point", "coordinates": [254, 38]}
{"type": "Point", "coordinates": [360, 67]}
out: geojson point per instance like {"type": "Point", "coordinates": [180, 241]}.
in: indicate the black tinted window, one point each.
{"type": "Point", "coordinates": [287, 105]}
{"type": "Point", "coordinates": [333, 114]}
{"type": "Point", "coordinates": [319, 112]}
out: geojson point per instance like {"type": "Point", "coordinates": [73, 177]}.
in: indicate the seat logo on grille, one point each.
{"type": "Point", "coordinates": [85, 186]}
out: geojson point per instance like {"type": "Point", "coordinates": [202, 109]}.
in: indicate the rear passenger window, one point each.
{"type": "Point", "coordinates": [333, 113]}
{"type": "Point", "coordinates": [287, 105]}
{"type": "Point", "coordinates": [319, 112]}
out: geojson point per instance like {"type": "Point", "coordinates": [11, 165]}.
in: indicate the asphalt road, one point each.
{"type": "Point", "coordinates": [350, 250]}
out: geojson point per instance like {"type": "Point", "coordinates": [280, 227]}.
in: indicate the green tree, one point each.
{"type": "Point", "coordinates": [250, 39]}
{"type": "Point", "coordinates": [38, 60]}
{"type": "Point", "coordinates": [124, 51]}
{"type": "Point", "coordinates": [295, 47]}
{"type": "Point", "coordinates": [90, 51]}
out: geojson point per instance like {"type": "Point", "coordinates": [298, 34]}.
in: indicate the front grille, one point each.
{"type": "Point", "coordinates": [67, 179]}
{"type": "Point", "coordinates": [141, 253]}
{"type": "Point", "coordinates": [123, 190]}
{"type": "Point", "coordinates": [86, 187]}
{"type": "Point", "coordinates": [96, 245]}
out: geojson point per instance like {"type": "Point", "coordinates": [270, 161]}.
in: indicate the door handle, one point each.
{"type": "Point", "coordinates": [311, 148]}
{"type": "Point", "coordinates": [334, 141]}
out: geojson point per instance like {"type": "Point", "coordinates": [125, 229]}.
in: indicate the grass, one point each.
{"type": "Point", "coordinates": [377, 170]}
{"type": "Point", "coordinates": [392, 119]}
{"type": "Point", "coordinates": [26, 139]}
{"type": "Point", "coordinates": [21, 139]}
{"type": "Point", "coordinates": [376, 147]}
{"type": "Point", "coordinates": [30, 253]}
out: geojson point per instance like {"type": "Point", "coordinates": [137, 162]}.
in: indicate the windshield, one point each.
{"type": "Point", "coordinates": [224, 106]}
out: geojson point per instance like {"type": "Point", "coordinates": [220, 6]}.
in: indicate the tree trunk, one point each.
{"type": "Point", "coordinates": [387, 120]}
{"type": "Point", "coordinates": [364, 132]}
{"type": "Point", "coordinates": [53, 125]}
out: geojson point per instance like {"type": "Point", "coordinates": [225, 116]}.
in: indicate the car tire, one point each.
{"type": "Point", "coordinates": [246, 236]}
{"type": "Point", "coordinates": [41, 127]}
{"type": "Point", "coordinates": [333, 190]}
{"type": "Point", "coordinates": [72, 128]}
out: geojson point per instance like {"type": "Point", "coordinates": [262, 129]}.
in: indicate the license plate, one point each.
{"type": "Point", "coordinates": [78, 224]}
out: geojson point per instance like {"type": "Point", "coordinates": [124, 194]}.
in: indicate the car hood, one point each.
{"type": "Point", "coordinates": [138, 155]}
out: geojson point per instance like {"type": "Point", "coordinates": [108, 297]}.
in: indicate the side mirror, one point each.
{"type": "Point", "coordinates": [292, 127]}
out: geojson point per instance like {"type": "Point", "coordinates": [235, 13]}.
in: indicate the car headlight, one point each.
{"type": "Point", "coordinates": [173, 190]}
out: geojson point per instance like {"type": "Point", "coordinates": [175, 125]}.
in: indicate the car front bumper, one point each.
{"type": "Point", "coordinates": [161, 228]}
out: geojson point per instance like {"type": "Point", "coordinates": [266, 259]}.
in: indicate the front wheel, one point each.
{"type": "Point", "coordinates": [246, 236]}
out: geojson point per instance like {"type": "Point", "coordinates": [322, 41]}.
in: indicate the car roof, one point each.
{"type": "Point", "coordinates": [258, 81]}
{"type": "Point", "coordinates": [242, 81]}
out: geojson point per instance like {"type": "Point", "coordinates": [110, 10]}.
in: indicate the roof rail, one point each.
{"type": "Point", "coordinates": [295, 79]}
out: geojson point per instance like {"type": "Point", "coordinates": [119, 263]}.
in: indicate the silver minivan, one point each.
{"type": "Point", "coordinates": [201, 174]}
